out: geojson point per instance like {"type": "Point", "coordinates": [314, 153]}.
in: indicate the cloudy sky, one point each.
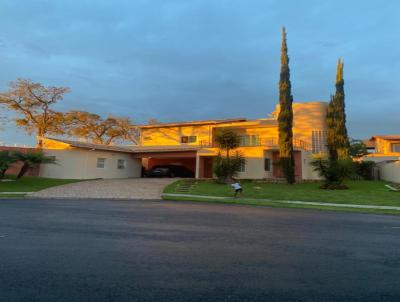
{"type": "Point", "coordinates": [200, 59]}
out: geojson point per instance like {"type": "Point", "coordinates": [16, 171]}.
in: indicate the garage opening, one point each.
{"type": "Point", "coordinates": [169, 164]}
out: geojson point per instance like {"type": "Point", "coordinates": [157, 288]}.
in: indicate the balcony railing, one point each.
{"type": "Point", "coordinates": [270, 142]}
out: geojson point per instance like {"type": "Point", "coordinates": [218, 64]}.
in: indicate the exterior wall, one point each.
{"type": "Point", "coordinates": [16, 167]}
{"type": "Point", "coordinates": [307, 117]}
{"type": "Point", "coordinates": [308, 172]}
{"type": "Point", "coordinates": [171, 136]}
{"type": "Point", "coordinates": [77, 163]}
{"type": "Point", "coordinates": [390, 172]}
{"type": "Point", "coordinates": [254, 168]}
{"type": "Point", "coordinates": [378, 158]}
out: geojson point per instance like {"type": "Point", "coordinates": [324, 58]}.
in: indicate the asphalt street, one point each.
{"type": "Point", "coordinates": [107, 250]}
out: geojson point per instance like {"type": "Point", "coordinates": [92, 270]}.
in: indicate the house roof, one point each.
{"type": "Point", "coordinates": [84, 145]}
{"type": "Point", "coordinates": [192, 123]}
{"type": "Point", "coordinates": [388, 137]}
{"type": "Point", "coordinates": [141, 149]}
{"type": "Point", "coordinates": [369, 143]}
{"type": "Point", "coordinates": [128, 149]}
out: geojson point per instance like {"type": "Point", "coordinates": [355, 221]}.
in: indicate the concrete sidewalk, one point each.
{"type": "Point", "coordinates": [311, 203]}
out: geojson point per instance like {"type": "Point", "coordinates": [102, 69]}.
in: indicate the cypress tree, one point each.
{"type": "Point", "coordinates": [285, 117]}
{"type": "Point", "coordinates": [337, 138]}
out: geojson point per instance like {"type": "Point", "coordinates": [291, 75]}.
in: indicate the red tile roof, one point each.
{"type": "Point", "coordinates": [190, 123]}
{"type": "Point", "coordinates": [388, 137]}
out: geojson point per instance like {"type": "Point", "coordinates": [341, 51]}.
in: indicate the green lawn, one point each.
{"type": "Point", "coordinates": [31, 184]}
{"type": "Point", "coordinates": [360, 192]}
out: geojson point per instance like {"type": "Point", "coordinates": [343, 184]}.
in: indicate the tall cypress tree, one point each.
{"type": "Point", "coordinates": [337, 139]}
{"type": "Point", "coordinates": [285, 117]}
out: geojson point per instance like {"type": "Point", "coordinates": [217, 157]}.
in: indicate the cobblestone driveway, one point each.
{"type": "Point", "coordinates": [134, 188]}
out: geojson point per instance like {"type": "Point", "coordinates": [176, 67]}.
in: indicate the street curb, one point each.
{"type": "Point", "coordinates": [338, 205]}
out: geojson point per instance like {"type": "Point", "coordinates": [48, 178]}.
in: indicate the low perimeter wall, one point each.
{"type": "Point", "coordinates": [14, 168]}
{"type": "Point", "coordinates": [390, 172]}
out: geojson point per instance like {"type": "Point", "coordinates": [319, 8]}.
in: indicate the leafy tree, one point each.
{"type": "Point", "coordinates": [32, 159]}
{"type": "Point", "coordinates": [285, 117]}
{"type": "Point", "coordinates": [337, 137]}
{"type": "Point", "coordinates": [225, 166]}
{"type": "Point", "coordinates": [33, 103]}
{"type": "Point", "coordinates": [334, 172]}
{"type": "Point", "coordinates": [98, 130]}
{"type": "Point", "coordinates": [6, 159]}
{"type": "Point", "coordinates": [357, 148]}
{"type": "Point", "coordinates": [227, 140]}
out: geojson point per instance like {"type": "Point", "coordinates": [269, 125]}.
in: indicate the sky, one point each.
{"type": "Point", "coordinates": [204, 59]}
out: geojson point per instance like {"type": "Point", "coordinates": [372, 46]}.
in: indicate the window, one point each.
{"type": "Point", "coordinates": [249, 140]}
{"type": "Point", "coordinates": [267, 164]}
{"type": "Point", "coordinates": [121, 164]}
{"type": "Point", "coordinates": [101, 163]}
{"type": "Point", "coordinates": [188, 139]}
{"type": "Point", "coordinates": [395, 147]}
{"type": "Point", "coordinates": [242, 167]}
{"type": "Point", "coordinates": [319, 144]}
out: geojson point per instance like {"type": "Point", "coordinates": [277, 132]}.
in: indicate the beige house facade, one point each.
{"type": "Point", "coordinates": [192, 145]}
{"type": "Point", "coordinates": [76, 160]}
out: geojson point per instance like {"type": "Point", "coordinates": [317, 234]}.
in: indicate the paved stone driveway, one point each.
{"type": "Point", "coordinates": [133, 188]}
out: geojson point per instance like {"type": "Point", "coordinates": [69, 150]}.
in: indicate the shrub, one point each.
{"type": "Point", "coordinates": [364, 169]}
{"type": "Point", "coordinates": [226, 168]}
{"type": "Point", "coordinates": [333, 171]}
{"type": "Point", "coordinates": [6, 159]}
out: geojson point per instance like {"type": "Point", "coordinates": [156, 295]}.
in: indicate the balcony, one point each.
{"type": "Point", "coordinates": [269, 142]}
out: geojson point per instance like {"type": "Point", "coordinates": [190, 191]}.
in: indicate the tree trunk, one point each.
{"type": "Point", "coordinates": [2, 173]}
{"type": "Point", "coordinates": [23, 170]}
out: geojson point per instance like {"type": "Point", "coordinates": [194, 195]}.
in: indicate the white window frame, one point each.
{"type": "Point", "coordinates": [101, 163]}
{"type": "Point", "coordinates": [249, 140]}
{"type": "Point", "coordinates": [242, 168]}
{"type": "Point", "coordinates": [319, 141]}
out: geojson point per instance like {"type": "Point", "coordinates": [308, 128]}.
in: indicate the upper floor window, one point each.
{"type": "Point", "coordinates": [249, 140]}
{"type": "Point", "coordinates": [188, 139]}
{"type": "Point", "coordinates": [396, 147]}
{"type": "Point", "coordinates": [101, 163]}
{"type": "Point", "coordinates": [319, 144]}
{"type": "Point", "coordinates": [121, 164]}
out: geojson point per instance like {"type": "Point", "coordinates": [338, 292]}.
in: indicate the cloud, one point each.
{"type": "Point", "coordinates": [185, 60]}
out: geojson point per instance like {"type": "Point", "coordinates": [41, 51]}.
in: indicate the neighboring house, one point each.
{"type": "Point", "coordinates": [16, 167]}
{"type": "Point", "coordinates": [77, 160]}
{"type": "Point", "coordinates": [387, 156]}
{"type": "Point", "coordinates": [191, 144]}
{"type": "Point", "coordinates": [386, 147]}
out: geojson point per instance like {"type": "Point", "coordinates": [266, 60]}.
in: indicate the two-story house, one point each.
{"type": "Point", "coordinates": [386, 155]}
{"type": "Point", "coordinates": [191, 144]}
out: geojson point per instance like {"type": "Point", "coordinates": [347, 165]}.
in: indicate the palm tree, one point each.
{"type": "Point", "coordinates": [32, 159]}
{"type": "Point", "coordinates": [226, 167]}
{"type": "Point", "coordinates": [6, 159]}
